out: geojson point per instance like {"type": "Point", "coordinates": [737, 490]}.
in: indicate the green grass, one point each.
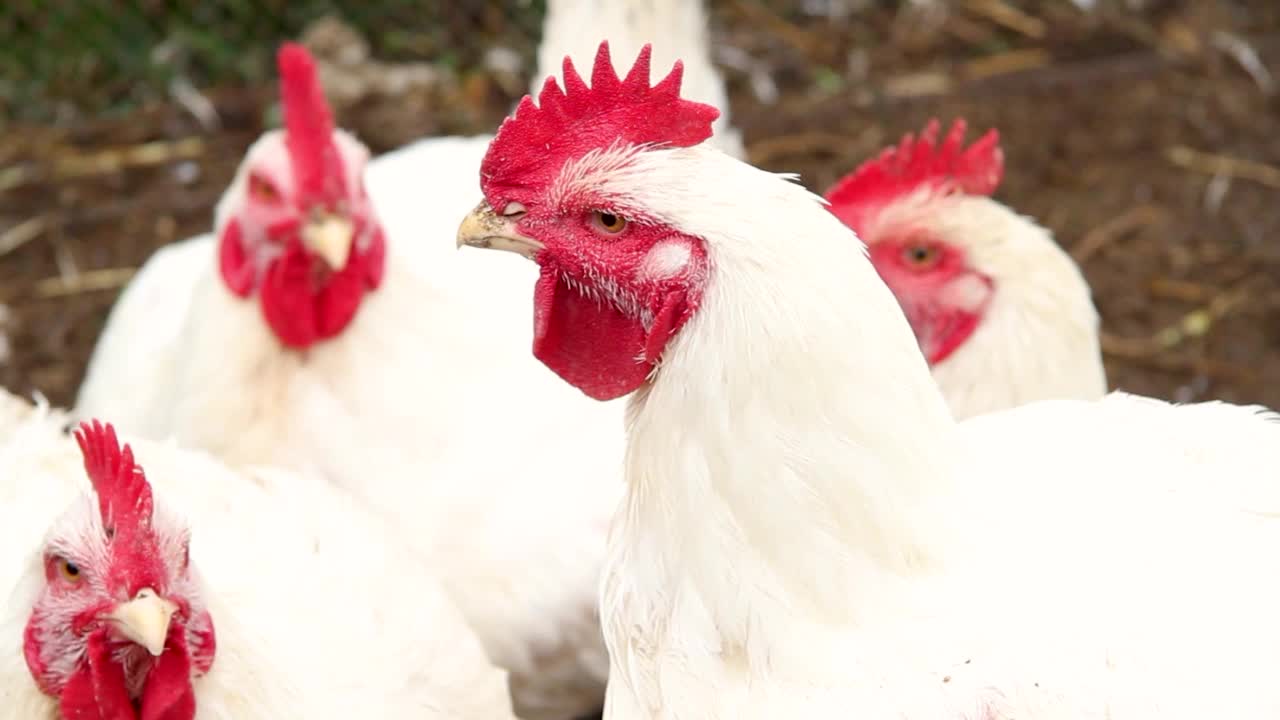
{"type": "Point", "coordinates": [98, 56]}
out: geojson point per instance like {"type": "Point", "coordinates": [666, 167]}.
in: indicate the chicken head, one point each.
{"type": "Point", "coordinates": [616, 281]}
{"type": "Point", "coordinates": [119, 628]}
{"type": "Point", "coordinates": [297, 226]}
{"type": "Point", "coordinates": [903, 205]}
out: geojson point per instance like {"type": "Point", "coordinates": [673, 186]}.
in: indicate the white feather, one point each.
{"type": "Point", "coordinates": [298, 582]}
{"type": "Point", "coordinates": [808, 533]}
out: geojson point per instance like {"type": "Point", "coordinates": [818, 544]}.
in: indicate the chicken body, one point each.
{"type": "Point", "coordinates": [807, 531]}
{"type": "Point", "coordinates": [842, 548]}
{"type": "Point", "coordinates": [296, 583]}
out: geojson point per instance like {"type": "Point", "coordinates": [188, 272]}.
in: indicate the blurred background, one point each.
{"type": "Point", "coordinates": [1144, 133]}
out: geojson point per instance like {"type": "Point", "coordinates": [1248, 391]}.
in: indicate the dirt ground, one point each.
{"type": "Point", "coordinates": [1147, 139]}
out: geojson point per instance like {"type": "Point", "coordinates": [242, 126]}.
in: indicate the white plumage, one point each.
{"type": "Point", "coordinates": [427, 408]}
{"type": "Point", "coordinates": [319, 612]}
{"type": "Point", "coordinates": [808, 533]}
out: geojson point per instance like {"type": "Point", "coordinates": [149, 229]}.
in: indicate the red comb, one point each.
{"type": "Point", "coordinates": [308, 126]}
{"type": "Point", "coordinates": [124, 495]}
{"type": "Point", "coordinates": [919, 163]}
{"type": "Point", "coordinates": [534, 143]}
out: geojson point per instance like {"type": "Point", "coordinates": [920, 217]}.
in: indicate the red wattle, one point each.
{"type": "Point", "coordinates": [675, 309]}
{"type": "Point", "coordinates": [948, 333]}
{"type": "Point", "coordinates": [593, 345]}
{"type": "Point", "coordinates": [301, 311]}
{"type": "Point", "coordinates": [168, 693]}
{"type": "Point", "coordinates": [375, 260]}
{"type": "Point", "coordinates": [940, 331]}
{"type": "Point", "coordinates": [96, 690]}
{"type": "Point", "coordinates": [233, 260]}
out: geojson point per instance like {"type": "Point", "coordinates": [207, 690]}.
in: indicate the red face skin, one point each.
{"type": "Point", "coordinates": [73, 650]}
{"type": "Point", "coordinates": [607, 347]}
{"type": "Point", "coordinates": [929, 277]}
{"type": "Point", "coordinates": [303, 300]}
{"type": "Point", "coordinates": [68, 621]}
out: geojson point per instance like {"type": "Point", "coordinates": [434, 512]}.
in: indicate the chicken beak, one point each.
{"type": "Point", "coordinates": [144, 620]}
{"type": "Point", "coordinates": [484, 228]}
{"type": "Point", "coordinates": [330, 237]}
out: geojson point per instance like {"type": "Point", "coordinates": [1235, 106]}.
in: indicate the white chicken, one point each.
{"type": "Point", "coordinates": [224, 596]}
{"type": "Point", "coordinates": [328, 329]}
{"type": "Point", "coordinates": [807, 532]}
{"type": "Point", "coordinates": [1002, 314]}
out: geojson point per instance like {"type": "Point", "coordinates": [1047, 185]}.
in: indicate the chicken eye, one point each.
{"type": "Point", "coordinates": [262, 190]}
{"type": "Point", "coordinates": [608, 223]}
{"type": "Point", "coordinates": [68, 570]}
{"type": "Point", "coordinates": [921, 256]}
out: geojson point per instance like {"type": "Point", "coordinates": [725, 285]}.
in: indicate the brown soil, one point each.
{"type": "Point", "coordinates": [1146, 147]}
